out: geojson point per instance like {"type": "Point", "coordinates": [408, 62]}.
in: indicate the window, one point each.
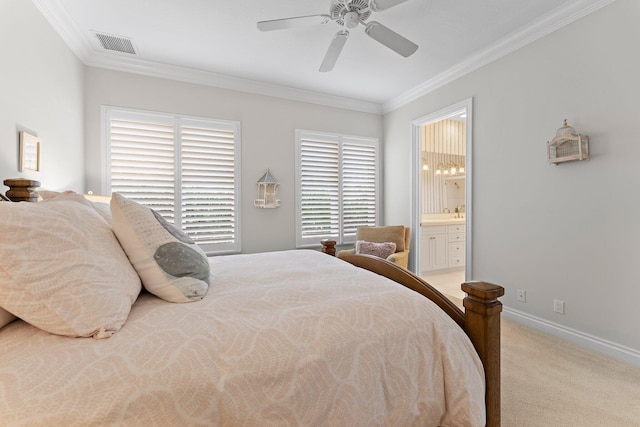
{"type": "Point", "coordinates": [187, 169]}
{"type": "Point", "coordinates": [337, 186]}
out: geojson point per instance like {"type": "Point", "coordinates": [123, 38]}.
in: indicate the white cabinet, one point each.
{"type": "Point", "coordinates": [434, 253]}
{"type": "Point", "coordinates": [456, 240]}
{"type": "Point", "coordinates": [442, 247]}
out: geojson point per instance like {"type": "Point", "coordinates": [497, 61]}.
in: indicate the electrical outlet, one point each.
{"type": "Point", "coordinates": [558, 306]}
{"type": "Point", "coordinates": [522, 295]}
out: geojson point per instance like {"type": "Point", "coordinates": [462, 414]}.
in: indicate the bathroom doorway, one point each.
{"type": "Point", "coordinates": [441, 202]}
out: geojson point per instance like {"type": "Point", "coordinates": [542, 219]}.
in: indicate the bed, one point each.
{"type": "Point", "coordinates": [295, 338]}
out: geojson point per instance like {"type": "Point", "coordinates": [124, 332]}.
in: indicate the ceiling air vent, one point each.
{"type": "Point", "coordinates": [116, 43]}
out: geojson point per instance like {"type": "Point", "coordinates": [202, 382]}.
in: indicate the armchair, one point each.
{"type": "Point", "coordinates": [398, 234]}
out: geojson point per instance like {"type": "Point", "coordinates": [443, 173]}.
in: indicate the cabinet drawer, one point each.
{"type": "Point", "coordinates": [435, 229]}
{"type": "Point", "coordinates": [457, 228]}
{"type": "Point", "coordinates": [456, 237]}
{"type": "Point", "coordinates": [456, 260]}
{"type": "Point", "coordinates": [456, 248]}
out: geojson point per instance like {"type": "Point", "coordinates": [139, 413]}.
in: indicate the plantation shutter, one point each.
{"type": "Point", "coordinates": [142, 161]}
{"type": "Point", "coordinates": [185, 169]}
{"type": "Point", "coordinates": [337, 188]}
{"type": "Point", "coordinates": [319, 192]}
{"type": "Point", "coordinates": [208, 183]}
{"type": "Point", "coordinates": [359, 186]}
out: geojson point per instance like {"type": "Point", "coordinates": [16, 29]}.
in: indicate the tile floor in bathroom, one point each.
{"type": "Point", "coordinates": [448, 283]}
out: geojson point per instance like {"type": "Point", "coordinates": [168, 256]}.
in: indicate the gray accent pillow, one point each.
{"type": "Point", "coordinates": [170, 265]}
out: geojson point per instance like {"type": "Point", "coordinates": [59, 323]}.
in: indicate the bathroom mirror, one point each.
{"type": "Point", "coordinates": [454, 195]}
{"type": "Point", "coordinates": [443, 165]}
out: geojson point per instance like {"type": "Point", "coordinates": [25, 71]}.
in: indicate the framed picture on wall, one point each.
{"type": "Point", "coordinates": [29, 153]}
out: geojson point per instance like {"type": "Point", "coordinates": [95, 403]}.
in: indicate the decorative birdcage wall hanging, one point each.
{"type": "Point", "coordinates": [567, 146]}
{"type": "Point", "coordinates": [267, 192]}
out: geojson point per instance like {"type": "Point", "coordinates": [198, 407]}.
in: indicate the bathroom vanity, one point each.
{"type": "Point", "coordinates": [442, 243]}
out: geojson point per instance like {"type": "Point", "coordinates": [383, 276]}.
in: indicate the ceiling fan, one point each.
{"type": "Point", "coordinates": [348, 14]}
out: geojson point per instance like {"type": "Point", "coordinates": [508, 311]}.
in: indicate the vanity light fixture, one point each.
{"type": "Point", "coordinates": [425, 164]}
{"type": "Point", "coordinates": [451, 168]}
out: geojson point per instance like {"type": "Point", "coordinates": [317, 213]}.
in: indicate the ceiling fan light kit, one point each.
{"type": "Point", "coordinates": [351, 20]}
{"type": "Point", "coordinates": [349, 14]}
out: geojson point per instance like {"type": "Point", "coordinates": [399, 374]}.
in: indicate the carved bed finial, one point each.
{"type": "Point", "coordinates": [328, 246]}
{"type": "Point", "coordinates": [22, 190]}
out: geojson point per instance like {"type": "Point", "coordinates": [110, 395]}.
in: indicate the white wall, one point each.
{"type": "Point", "coordinates": [41, 89]}
{"type": "Point", "coordinates": [268, 138]}
{"type": "Point", "coordinates": [567, 232]}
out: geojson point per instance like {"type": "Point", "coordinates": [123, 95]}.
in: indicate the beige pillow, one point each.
{"type": "Point", "coordinates": [169, 263]}
{"type": "Point", "coordinates": [5, 317]}
{"type": "Point", "coordinates": [96, 202]}
{"type": "Point", "coordinates": [62, 269]}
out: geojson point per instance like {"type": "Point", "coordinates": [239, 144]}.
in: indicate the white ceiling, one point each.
{"type": "Point", "coordinates": [217, 42]}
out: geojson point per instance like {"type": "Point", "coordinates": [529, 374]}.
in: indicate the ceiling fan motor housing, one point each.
{"type": "Point", "coordinates": [350, 14]}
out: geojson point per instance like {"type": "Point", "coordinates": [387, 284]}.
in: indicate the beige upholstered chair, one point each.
{"type": "Point", "coordinates": [398, 234]}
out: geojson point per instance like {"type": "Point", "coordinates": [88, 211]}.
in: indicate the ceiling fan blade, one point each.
{"type": "Point", "coordinates": [378, 5]}
{"type": "Point", "coordinates": [390, 39]}
{"type": "Point", "coordinates": [298, 21]}
{"type": "Point", "coordinates": [334, 50]}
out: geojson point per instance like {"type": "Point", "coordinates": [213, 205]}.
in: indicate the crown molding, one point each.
{"type": "Point", "coordinates": [188, 75]}
{"type": "Point", "coordinates": [56, 14]}
{"type": "Point", "coordinates": [547, 24]}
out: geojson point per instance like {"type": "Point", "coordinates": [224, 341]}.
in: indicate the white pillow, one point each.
{"type": "Point", "coordinates": [169, 263]}
{"type": "Point", "coordinates": [62, 269]}
{"type": "Point", "coordinates": [5, 317]}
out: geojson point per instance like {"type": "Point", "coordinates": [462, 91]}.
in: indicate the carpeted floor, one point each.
{"type": "Point", "coordinates": [549, 382]}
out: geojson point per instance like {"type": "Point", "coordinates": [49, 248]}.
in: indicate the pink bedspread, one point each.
{"type": "Point", "coordinates": [294, 338]}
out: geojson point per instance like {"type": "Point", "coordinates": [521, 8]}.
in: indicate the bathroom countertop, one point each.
{"type": "Point", "coordinates": [440, 219]}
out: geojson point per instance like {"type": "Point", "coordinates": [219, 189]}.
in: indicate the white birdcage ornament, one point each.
{"type": "Point", "coordinates": [567, 146]}
{"type": "Point", "coordinates": [267, 192]}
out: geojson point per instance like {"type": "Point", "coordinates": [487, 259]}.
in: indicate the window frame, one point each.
{"type": "Point", "coordinates": [178, 121]}
{"type": "Point", "coordinates": [341, 139]}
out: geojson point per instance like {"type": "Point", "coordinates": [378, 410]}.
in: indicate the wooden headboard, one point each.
{"type": "Point", "coordinates": [21, 190]}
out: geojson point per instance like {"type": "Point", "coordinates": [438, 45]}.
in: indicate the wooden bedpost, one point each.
{"type": "Point", "coordinates": [482, 322]}
{"type": "Point", "coordinates": [22, 190]}
{"type": "Point", "coordinates": [328, 246]}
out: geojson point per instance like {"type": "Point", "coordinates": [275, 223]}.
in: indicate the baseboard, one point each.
{"type": "Point", "coordinates": [582, 339]}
